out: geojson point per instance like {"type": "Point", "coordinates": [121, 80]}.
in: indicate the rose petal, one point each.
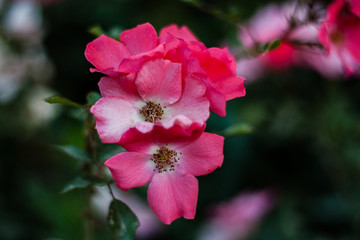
{"type": "Point", "coordinates": [193, 105]}
{"type": "Point", "coordinates": [183, 33]}
{"type": "Point", "coordinates": [106, 54]}
{"type": "Point", "coordinates": [134, 140]}
{"type": "Point", "coordinates": [121, 86]}
{"type": "Point", "coordinates": [140, 39]}
{"type": "Point", "coordinates": [172, 195]}
{"type": "Point", "coordinates": [131, 169]}
{"type": "Point", "coordinates": [160, 81]}
{"type": "Point", "coordinates": [201, 156]}
{"type": "Point", "coordinates": [114, 116]}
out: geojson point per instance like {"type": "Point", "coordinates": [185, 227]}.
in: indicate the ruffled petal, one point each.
{"type": "Point", "coordinates": [193, 105]}
{"type": "Point", "coordinates": [106, 54]}
{"type": "Point", "coordinates": [173, 30]}
{"type": "Point", "coordinates": [133, 63]}
{"type": "Point", "coordinates": [217, 63]}
{"type": "Point", "coordinates": [160, 81]}
{"type": "Point", "coordinates": [173, 195]}
{"type": "Point", "coordinates": [114, 116]}
{"type": "Point", "coordinates": [140, 39]}
{"type": "Point", "coordinates": [131, 169]}
{"type": "Point", "coordinates": [203, 155]}
{"type": "Point", "coordinates": [134, 140]}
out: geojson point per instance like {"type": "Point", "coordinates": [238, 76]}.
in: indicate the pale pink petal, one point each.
{"type": "Point", "coordinates": [173, 195]}
{"type": "Point", "coordinates": [121, 86]}
{"type": "Point", "coordinates": [193, 105]}
{"type": "Point", "coordinates": [131, 169]}
{"type": "Point", "coordinates": [202, 156]}
{"type": "Point", "coordinates": [160, 81]}
{"type": "Point", "coordinates": [140, 39]}
{"type": "Point", "coordinates": [182, 33]}
{"type": "Point", "coordinates": [114, 116]}
{"type": "Point", "coordinates": [106, 54]}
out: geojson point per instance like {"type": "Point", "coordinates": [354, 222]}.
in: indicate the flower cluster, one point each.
{"type": "Point", "coordinates": [156, 98]}
{"type": "Point", "coordinates": [304, 31]}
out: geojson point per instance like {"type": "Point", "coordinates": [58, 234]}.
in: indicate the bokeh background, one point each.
{"type": "Point", "coordinates": [299, 141]}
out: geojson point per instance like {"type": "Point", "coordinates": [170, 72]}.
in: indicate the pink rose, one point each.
{"type": "Point", "coordinates": [169, 161]}
{"type": "Point", "coordinates": [215, 66]}
{"type": "Point", "coordinates": [156, 96]}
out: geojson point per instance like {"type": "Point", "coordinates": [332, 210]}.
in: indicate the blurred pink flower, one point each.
{"type": "Point", "coordinates": [340, 33]}
{"type": "Point", "coordinates": [169, 160]}
{"type": "Point", "coordinates": [236, 219]}
{"type": "Point", "coordinates": [156, 96]}
{"type": "Point", "coordinates": [216, 66]}
{"type": "Point", "coordinates": [274, 22]}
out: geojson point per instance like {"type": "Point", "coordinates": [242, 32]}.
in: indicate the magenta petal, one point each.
{"type": "Point", "coordinates": [114, 116]}
{"type": "Point", "coordinates": [131, 169]}
{"type": "Point", "coordinates": [182, 33]}
{"type": "Point", "coordinates": [231, 87]}
{"type": "Point", "coordinates": [134, 140]}
{"type": "Point", "coordinates": [106, 54]}
{"type": "Point", "coordinates": [217, 101]}
{"type": "Point", "coordinates": [172, 195]}
{"type": "Point", "coordinates": [140, 39]}
{"type": "Point", "coordinates": [160, 81]}
{"type": "Point", "coordinates": [203, 155]}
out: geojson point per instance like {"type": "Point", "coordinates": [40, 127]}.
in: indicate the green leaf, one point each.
{"type": "Point", "coordinates": [93, 97]}
{"type": "Point", "coordinates": [61, 100]}
{"type": "Point", "coordinates": [238, 130]}
{"type": "Point", "coordinates": [274, 45]}
{"type": "Point", "coordinates": [266, 47]}
{"type": "Point", "coordinates": [122, 221]}
{"type": "Point", "coordinates": [81, 183]}
{"type": "Point", "coordinates": [74, 152]}
{"type": "Point", "coordinates": [262, 47]}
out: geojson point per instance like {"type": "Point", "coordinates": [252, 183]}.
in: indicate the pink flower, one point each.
{"type": "Point", "coordinates": [169, 159]}
{"type": "Point", "coordinates": [156, 96]}
{"type": "Point", "coordinates": [340, 33]}
{"type": "Point", "coordinates": [269, 24]}
{"type": "Point", "coordinates": [236, 219]}
{"type": "Point", "coordinates": [216, 66]}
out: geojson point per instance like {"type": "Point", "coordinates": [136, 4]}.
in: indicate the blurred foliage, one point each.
{"type": "Point", "coordinates": [295, 132]}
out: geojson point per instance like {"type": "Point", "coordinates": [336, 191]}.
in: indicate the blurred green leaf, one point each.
{"type": "Point", "coordinates": [262, 47]}
{"type": "Point", "coordinates": [81, 183]}
{"type": "Point", "coordinates": [266, 47]}
{"type": "Point", "coordinates": [195, 3]}
{"type": "Point", "coordinates": [74, 152]}
{"type": "Point", "coordinates": [238, 130]}
{"type": "Point", "coordinates": [274, 45]}
{"type": "Point", "coordinates": [96, 30]}
{"type": "Point", "coordinates": [122, 221]}
{"type": "Point", "coordinates": [61, 100]}
{"type": "Point", "coordinates": [93, 97]}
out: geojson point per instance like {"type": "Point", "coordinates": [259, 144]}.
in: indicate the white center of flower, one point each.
{"type": "Point", "coordinates": [165, 159]}
{"type": "Point", "coordinates": [152, 111]}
